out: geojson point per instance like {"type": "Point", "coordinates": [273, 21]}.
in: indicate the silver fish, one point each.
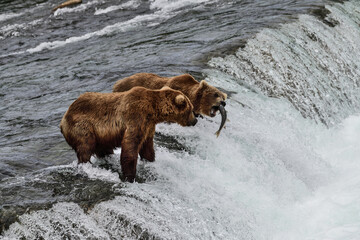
{"type": "Point", "coordinates": [223, 119]}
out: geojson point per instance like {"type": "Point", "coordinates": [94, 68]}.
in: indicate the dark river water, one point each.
{"type": "Point", "coordinates": [289, 153]}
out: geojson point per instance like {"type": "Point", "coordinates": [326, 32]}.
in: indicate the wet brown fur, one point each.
{"type": "Point", "coordinates": [202, 95]}
{"type": "Point", "coordinates": [96, 123]}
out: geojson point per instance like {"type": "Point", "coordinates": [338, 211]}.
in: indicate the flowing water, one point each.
{"type": "Point", "coordinates": [285, 167]}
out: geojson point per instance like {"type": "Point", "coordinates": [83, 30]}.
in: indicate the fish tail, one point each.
{"type": "Point", "coordinates": [217, 133]}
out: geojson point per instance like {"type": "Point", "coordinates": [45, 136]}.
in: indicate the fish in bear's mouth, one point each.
{"type": "Point", "coordinates": [215, 108]}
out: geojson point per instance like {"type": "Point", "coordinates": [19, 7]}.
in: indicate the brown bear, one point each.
{"type": "Point", "coordinates": [205, 98]}
{"type": "Point", "coordinates": [96, 123]}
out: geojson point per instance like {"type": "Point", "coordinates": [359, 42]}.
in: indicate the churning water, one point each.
{"type": "Point", "coordinates": [285, 167]}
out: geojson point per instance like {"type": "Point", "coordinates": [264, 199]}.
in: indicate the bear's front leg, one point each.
{"type": "Point", "coordinates": [85, 148]}
{"type": "Point", "coordinates": [147, 150]}
{"type": "Point", "coordinates": [129, 153]}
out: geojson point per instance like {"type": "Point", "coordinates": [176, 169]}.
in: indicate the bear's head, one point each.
{"type": "Point", "coordinates": [210, 98]}
{"type": "Point", "coordinates": [177, 108]}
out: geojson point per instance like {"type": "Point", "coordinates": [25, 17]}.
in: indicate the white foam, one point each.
{"type": "Point", "coordinates": [56, 44]}
{"type": "Point", "coordinates": [7, 16]}
{"type": "Point", "coordinates": [128, 5]}
{"type": "Point", "coordinates": [332, 212]}
{"type": "Point", "coordinates": [174, 5]}
{"type": "Point", "coordinates": [146, 19]}
{"type": "Point", "coordinates": [14, 30]}
{"type": "Point", "coordinates": [98, 173]}
{"type": "Point", "coordinates": [63, 220]}
{"type": "Point", "coordinates": [13, 54]}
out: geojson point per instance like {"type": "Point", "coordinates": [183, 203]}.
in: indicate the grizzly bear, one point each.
{"type": "Point", "coordinates": [96, 123]}
{"type": "Point", "coordinates": [205, 98]}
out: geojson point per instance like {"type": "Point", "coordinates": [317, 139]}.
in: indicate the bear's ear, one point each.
{"type": "Point", "coordinates": [180, 100]}
{"type": "Point", "coordinates": [203, 83]}
{"type": "Point", "coordinates": [165, 88]}
{"type": "Point", "coordinates": [225, 96]}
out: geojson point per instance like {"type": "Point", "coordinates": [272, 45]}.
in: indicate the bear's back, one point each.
{"type": "Point", "coordinates": [147, 80]}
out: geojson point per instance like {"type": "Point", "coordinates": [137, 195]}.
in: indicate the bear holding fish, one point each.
{"type": "Point", "coordinates": [97, 123]}
{"type": "Point", "coordinates": [207, 100]}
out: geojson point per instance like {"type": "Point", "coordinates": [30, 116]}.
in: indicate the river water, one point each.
{"type": "Point", "coordinates": [285, 167]}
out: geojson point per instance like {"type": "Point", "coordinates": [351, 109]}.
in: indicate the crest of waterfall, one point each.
{"type": "Point", "coordinates": [313, 63]}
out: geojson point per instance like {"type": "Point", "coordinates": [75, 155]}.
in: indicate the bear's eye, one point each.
{"type": "Point", "coordinates": [216, 95]}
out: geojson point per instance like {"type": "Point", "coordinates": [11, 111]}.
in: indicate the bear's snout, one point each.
{"type": "Point", "coordinates": [223, 103]}
{"type": "Point", "coordinates": [193, 122]}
